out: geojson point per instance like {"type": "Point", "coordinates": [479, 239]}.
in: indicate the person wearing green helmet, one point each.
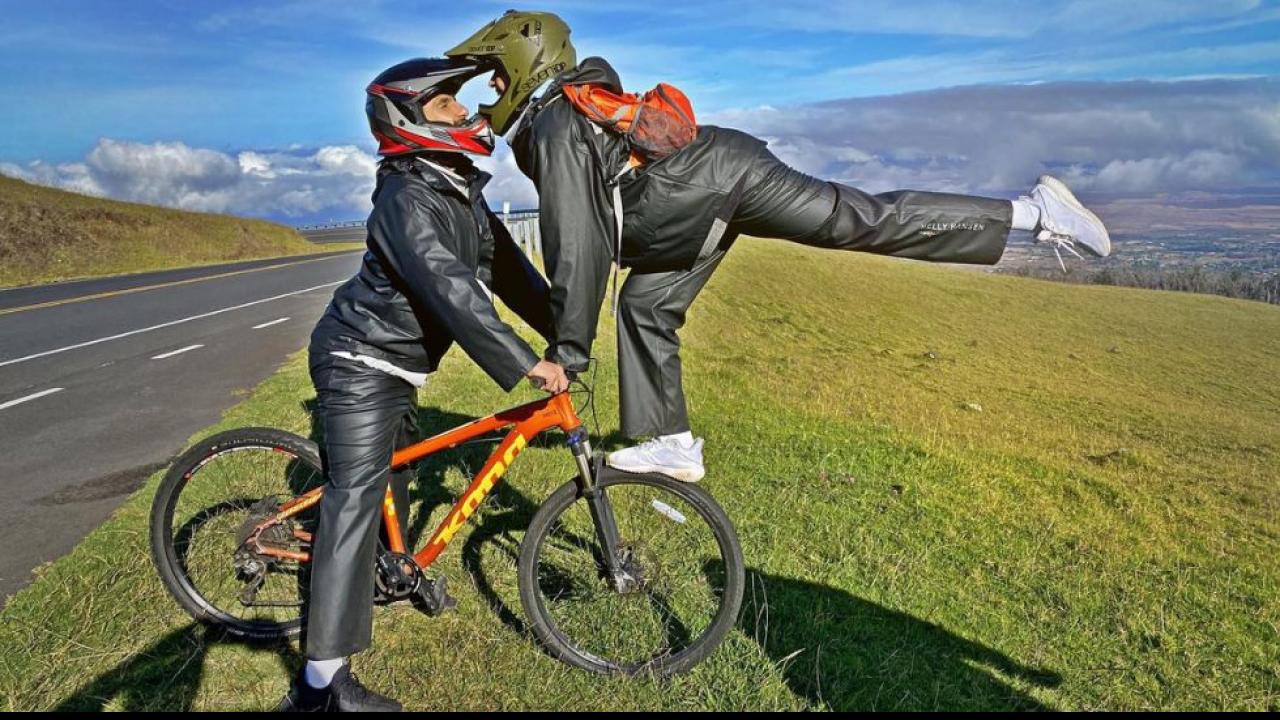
{"type": "Point", "coordinates": [672, 221]}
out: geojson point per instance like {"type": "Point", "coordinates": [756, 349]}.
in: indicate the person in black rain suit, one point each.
{"type": "Point", "coordinates": [434, 251]}
{"type": "Point", "coordinates": [672, 221]}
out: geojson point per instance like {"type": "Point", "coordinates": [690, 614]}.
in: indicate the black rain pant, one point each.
{"type": "Point", "coordinates": [781, 202]}
{"type": "Point", "coordinates": [366, 414]}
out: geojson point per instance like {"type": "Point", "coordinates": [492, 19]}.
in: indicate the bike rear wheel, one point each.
{"type": "Point", "coordinates": [213, 497]}
{"type": "Point", "coordinates": [682, 560]}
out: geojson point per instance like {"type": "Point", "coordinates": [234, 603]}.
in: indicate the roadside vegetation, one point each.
{"type": "Point", "coordinates": [48, 235]}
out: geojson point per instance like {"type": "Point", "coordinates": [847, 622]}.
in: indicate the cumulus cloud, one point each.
{"type": "Point", "coordinates": [1124, 138]}
{"type": "Point", "coordinates": [333, 181]}
{"type": "Point", "coordinates": [1205, 139]}
{"type": "Point", "coordinates": [508, 183]}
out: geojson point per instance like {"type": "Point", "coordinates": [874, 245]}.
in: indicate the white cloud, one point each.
{"type": "Point", "coordinates": [508, 183]}
{"type": "Point", "coordinates": [281, 184]}
{"type": "Point", "coordinates": [1114, 138]}
{"type": "Point", "coordinates": [1109, 139]}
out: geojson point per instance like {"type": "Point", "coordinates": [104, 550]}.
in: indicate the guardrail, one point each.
{"type": "Point", "coordinates": [330, 226]}
{"type": "Point", "coordinates": [522, 224]}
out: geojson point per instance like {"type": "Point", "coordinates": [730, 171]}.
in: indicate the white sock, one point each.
{"type": "Point", "coordinates": [319, 673]}
{"type": "Point", "coordinates": [684, 439]}
{"type": "Point", "coordinates": [1026, 215]}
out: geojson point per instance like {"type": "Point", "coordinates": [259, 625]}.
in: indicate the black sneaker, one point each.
{"type": "Point", "coordinates": [348, 695]}
{"type": "Point", "coordinates": [304, 698]}
{"type": "Point", "coordinates": [344, 694]}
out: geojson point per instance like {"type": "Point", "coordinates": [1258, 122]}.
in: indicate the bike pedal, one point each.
{"type": "Point", "coordinates": [433, 594]}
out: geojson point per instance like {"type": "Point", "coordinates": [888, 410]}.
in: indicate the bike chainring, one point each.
{"type": "Point", "coordinates": [397, 576]}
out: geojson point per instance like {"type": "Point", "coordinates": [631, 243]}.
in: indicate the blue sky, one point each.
{"type": "Point", "coordinates": [85, 84]}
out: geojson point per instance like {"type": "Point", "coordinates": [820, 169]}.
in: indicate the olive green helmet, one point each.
{"type": "Point", "coordinates": [529, 47]}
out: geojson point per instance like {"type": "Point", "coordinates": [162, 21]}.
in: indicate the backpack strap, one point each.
{"type": "Point", "coordinates": [724, 214]}
{"type": "Point", "coordinates": [614, 184]}
{"type": "Point", "coordinates": [617, 220]}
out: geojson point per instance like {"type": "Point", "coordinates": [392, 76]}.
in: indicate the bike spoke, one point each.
{"type": "Point", "coordinates": [217, 508]}
{"type": "Point", "coordinates": [668, 549]}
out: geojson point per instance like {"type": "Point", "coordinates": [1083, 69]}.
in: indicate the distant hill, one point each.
{"type": "Point", "coordinates": [48, 234]}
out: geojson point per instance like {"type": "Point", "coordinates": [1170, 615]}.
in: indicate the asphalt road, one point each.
{"type": "Point", "coordinates": [102, 382]}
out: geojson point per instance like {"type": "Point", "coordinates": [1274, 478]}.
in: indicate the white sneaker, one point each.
{"type": "Point", "coordinates": [1065, 223]}
{"type": "Point", "coordinates": [660, 455]}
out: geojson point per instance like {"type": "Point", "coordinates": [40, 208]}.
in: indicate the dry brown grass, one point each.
{"type": "Point", "coordinates": [48, 235]}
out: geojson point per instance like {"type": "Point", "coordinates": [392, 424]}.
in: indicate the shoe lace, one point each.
{"type": "Point", "coordinates": [1059, 241]}
{"type": "Point", "coordinates": [654, 443]}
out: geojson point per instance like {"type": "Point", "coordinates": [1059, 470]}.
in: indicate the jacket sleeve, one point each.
{"type": "Point", "coordinates": [576, 220]}
{"type": "Point", "coordinates": [406, 231]}
{"type": "Point", "coordinates": [519, 284]}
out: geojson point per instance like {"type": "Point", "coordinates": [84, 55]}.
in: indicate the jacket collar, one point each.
{"type": "Point", "coordinates": [468, 181]}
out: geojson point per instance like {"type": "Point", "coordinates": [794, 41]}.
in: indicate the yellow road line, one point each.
{"type": "Point", "coordinates": [126, 291]}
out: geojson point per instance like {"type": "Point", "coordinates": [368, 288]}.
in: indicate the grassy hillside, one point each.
{"type": "Point", "coordinates": [954, 490]}
{"type": "Point", "coordinates": [48, 235]}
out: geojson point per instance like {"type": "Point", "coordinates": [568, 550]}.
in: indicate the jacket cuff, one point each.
{"type": "Point", "coordinates": [568, 358]}
{"type": "Point", "coordinates": [527, 363]}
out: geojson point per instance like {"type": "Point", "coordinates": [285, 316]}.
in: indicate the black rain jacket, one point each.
{"type": "Point", "coordinates": [433, 248]}
{"type": "Point", "coordinates": [670, 205]}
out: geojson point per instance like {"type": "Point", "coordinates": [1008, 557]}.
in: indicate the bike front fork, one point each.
{"type": "Point", "coordinates": [617, 568]}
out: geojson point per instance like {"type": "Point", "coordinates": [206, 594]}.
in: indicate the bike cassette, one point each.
{"type": "Point", "coordinates": [248, 559]}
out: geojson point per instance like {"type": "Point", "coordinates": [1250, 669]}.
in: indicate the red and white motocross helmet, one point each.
{"type": "Point", "coordinates": [394, 107]}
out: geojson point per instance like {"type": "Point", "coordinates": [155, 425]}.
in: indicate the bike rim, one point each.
{"type": "Point", "coordinates": [215, 503]}
{"type": "Point", "coordinates": [669, 542]}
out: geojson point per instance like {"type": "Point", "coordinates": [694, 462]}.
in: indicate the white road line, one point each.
{"type": "Point", "coordinates": [269, 324]}
{"type": "Point", "coordinates": [171, 323]}
{"type": "Point", "coordinates": [176, 352]}
{"type": "Point", "coordinates": [32, 396]}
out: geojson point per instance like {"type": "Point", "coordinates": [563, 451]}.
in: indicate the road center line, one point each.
{"type": "Point", "coordinates": [126, 291]}
{"type": "Point", "coordinates": [32, 396]}
{"type": "Point", "coordinates": [269, 324]}
{"type": "Point", "coordinates": [176, 352]}
{"type": "Point", "coordinates": [171, 323]}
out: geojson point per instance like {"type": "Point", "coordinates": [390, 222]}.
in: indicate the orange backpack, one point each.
{"type": "Point", "coordinates": [655, 124]}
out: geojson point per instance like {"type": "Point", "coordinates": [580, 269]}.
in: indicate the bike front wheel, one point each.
{"type": "Point", "coordinates": [668, 598]}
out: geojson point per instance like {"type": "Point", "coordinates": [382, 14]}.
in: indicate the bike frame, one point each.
{"type": "Point", "coordinates": [526, 421]}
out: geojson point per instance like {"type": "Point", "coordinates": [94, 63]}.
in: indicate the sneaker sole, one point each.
{"type": "Point", "coordinates": [689, 476]}
{"type": "Point", "coordinates": [1064, 194]}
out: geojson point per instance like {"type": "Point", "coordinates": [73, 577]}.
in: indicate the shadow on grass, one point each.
{"type": "Point", "coordinates": [164, 676]}
{"type": "Point", "coordinates": [507, 510]}
{"type": "Point", "coordinates": [838, 650]}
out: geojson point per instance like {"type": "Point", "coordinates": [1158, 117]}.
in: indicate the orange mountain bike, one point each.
{"type": "Point", "coordinates": [616, 572]}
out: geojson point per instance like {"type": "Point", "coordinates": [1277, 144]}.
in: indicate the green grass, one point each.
{"type": "Point", "coordinates": [48, 235]}
{"type": "Point", "coordinates": [1102, 533]}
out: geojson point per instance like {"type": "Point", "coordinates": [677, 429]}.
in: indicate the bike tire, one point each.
{"type": "Point", "coordinates": [185, 474]}
{"type": "Point", "coordinates": [559, 643]}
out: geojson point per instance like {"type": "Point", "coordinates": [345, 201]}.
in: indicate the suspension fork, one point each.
{"type": "Point", "coordinates": [598, 502]}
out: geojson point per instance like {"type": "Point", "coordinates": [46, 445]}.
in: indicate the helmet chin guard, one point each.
{"type": "Point", "coordinates": [530, 48]}
{"type": "Point", "coordinates": [394, 107]}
